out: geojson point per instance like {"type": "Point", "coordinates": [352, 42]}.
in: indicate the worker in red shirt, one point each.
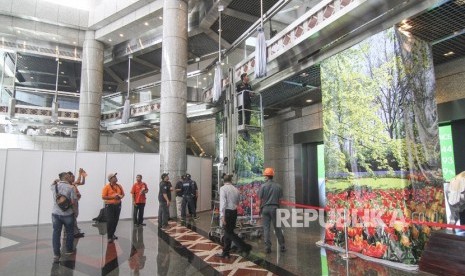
{"type": "Point", "coordinates": [138, 191]}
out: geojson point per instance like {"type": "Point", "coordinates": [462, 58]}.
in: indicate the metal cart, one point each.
{"type": "Point", "coordinates": [246, 226]}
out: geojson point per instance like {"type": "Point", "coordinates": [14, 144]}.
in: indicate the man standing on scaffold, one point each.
{"type": "Point", "coordinates": [245, 87]}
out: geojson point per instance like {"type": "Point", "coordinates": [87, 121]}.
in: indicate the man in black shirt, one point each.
{"type": "Point", "coordinates": [189, 192]}
{"type": "Point", "coordinates": [164, 197]}
{"type": "Point", "coordinates": [245, 87]}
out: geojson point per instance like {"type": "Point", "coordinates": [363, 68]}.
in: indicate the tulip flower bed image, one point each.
{"type": "Point", "coordinates": [248, 192]}
{"type": "Point", "coordinates": [381, 222]}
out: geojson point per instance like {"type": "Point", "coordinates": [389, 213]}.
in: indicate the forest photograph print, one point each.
{"type": "Point", "coordinates": [382, 146]}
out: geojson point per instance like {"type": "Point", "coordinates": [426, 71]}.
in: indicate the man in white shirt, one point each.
{"type": "Point", "coordinates": [229, 199]}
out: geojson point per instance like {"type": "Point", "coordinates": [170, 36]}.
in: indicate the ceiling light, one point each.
{"type": "Point", "coordinates": [18, 31]}
{"type": "Point", "coordinates": [54, 38]}
{"type": "Point", "coordinates": [160, 17]}
{"type": "Point", "coordinates": [62, 72]}
{"type": "Point", "coordinates": [74, 42]}
{"type": "Point", "coordinates": [449, 54]}
{"type": "Point", "coordinates": [26, 67]}
{"type": "Point", "coordinates": [32, 78]}
{"type": "Point", "coordinates": [109, 39]}
{"type": "Point", "coordinates": [210, 74]}
{"type": "Point", "coordinates": [65, 82]}
{"type": "Point", "coordinates": [222, 63]}
{"type": "Point", "coordinates": [309, 101]}
{"type": "Point", "coordinates": [200, 82]}
{"type": "Point", "coordinates": [304, 74]}
{"type": "Point", "coordinates": [109, 87]}
{"type": "Point", "coordinates": [146, 23]}
{"type": "Point", "coordinates": [204, 78]}
{"type": "Point", "coordinates": [121, 35]}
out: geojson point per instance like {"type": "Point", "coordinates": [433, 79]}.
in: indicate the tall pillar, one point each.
{"type": "Point", "coordinates": [173, 92]}
{"type": "Point", "coordinates": [88, 137]}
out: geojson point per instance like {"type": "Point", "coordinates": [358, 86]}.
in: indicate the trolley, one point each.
{"type": "Point", "coordinates": [247, 227]}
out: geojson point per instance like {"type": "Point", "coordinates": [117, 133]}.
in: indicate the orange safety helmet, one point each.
{"type": "Point", "coordinates": [268, 172]}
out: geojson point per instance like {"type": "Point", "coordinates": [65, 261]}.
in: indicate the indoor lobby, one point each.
{"type": "Point", "coordinates": [358, 106]}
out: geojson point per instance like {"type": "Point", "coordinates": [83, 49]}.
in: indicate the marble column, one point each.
{"type": "Point", "coordinates": [88, 137]}
{"type": "Point", "coordinates": [173, 92]}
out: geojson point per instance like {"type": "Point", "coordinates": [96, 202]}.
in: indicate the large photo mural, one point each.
{"type": "Point", "coordinates": [382, 152]}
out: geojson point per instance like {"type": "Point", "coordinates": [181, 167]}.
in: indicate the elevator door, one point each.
{"type": "Point", "coordinates": [310, 175]}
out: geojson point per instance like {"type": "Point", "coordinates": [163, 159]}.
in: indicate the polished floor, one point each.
{"type": "Point", "coordinates": [180, 250]}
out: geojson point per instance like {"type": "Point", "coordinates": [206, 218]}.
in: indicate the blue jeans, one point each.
{"type": "Point", "coordinates": [58, 222]}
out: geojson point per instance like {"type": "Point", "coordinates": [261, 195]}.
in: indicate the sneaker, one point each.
{"type": "Point", "coordinates": [79, 235]}
{"type": "Point", "coordinates": [69, 252]}
{"type": "Point", "coordinates": [196, 217]}
{"type": "Point", "coordinates": [56, 259]}
{"type": "Point", "coordinates": [223, 255]}
{"type": "Point", "coordinates": [142, 224]}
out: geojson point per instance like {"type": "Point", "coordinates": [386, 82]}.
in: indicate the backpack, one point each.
{"type": "Point", "coordinates": [62, 201]}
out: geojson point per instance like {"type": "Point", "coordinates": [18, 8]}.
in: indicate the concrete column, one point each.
{"type": "Point", "coordinates": [88, 137]}
{"type": "Point", "coordinates": [173, 92]}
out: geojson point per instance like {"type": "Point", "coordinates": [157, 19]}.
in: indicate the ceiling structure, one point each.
{"type": "Point", "coordinates": [442, 25]}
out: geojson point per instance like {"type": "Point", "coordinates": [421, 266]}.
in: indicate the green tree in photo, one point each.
{"type": "Point", "coordinates": [354, 133]}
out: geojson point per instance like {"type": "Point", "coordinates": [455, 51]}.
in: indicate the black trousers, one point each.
{"type": "Point", "coordinates": [138, 214]}
{"type": "Point", "coordinates": [112, 211]}
{"type": "Point", "coordinates": [163, 214]}
{"type": "Point", "coordinates": [230, 217]}
{"type": "Point", "coordinates": [462, 217]}
{"type": "Point", "coordinates": [247, 113]}
{"type": "Point", "coordinates": [188, 200]}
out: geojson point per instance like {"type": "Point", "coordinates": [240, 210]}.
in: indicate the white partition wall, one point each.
{"type": "Point", "coordinates": [91, 201]}
{"type": "Point", "coordinates": [148, 165]}
{"type": "Point", "coordinates": [26, 176]}
{"type": "Point", "coordinates": [206, 183]}
{"type": "Point", "coordinates": [22, 187]}
{"type": "Point", "coordinates": [3, 156]}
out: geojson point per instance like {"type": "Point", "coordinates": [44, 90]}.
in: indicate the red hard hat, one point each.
{"type": "Point", "coordinates": [268, 172]}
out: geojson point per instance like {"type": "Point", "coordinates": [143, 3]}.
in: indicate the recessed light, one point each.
{"type": "Point", "coordinates": [449, 54]}
{"type": "Point", "coordinates": [26, 67]}
{"type": "Point", "coordinates": [210, 74]}
{"type": "Point", "coordinates": [146, 23]}
{"type": "Point", "coordinates": [65, 82]}
{"type": "Point", "coordinates": [74, 42]}
{"type": "Point", "coordinates": [109, 87]}
{"type": "Point", "coordinates": [222, 63]}
{"type": "Point", "coordinates": [109, 39]}
{"type": "Point", "coordinates": [204, 78]}
{"type": "Point", "coordinates": [304, 74]}
{"type": "Point", "coordinates": [121, 35]}
{"type": "Point", "coordinates": [18, 31]}
{"type": "Point", "coordinates": [160, 17]}
{"type": "Point", "coordinates": [32, 78]}
{"type": "Point", "coordinates": [62, 72]}
{"type": "Point", "coordinates": [54, 38]}
{"type": "Point", "coordinates": [200, 82]}
{"type": "Point", "coordinates": [309, 101]}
